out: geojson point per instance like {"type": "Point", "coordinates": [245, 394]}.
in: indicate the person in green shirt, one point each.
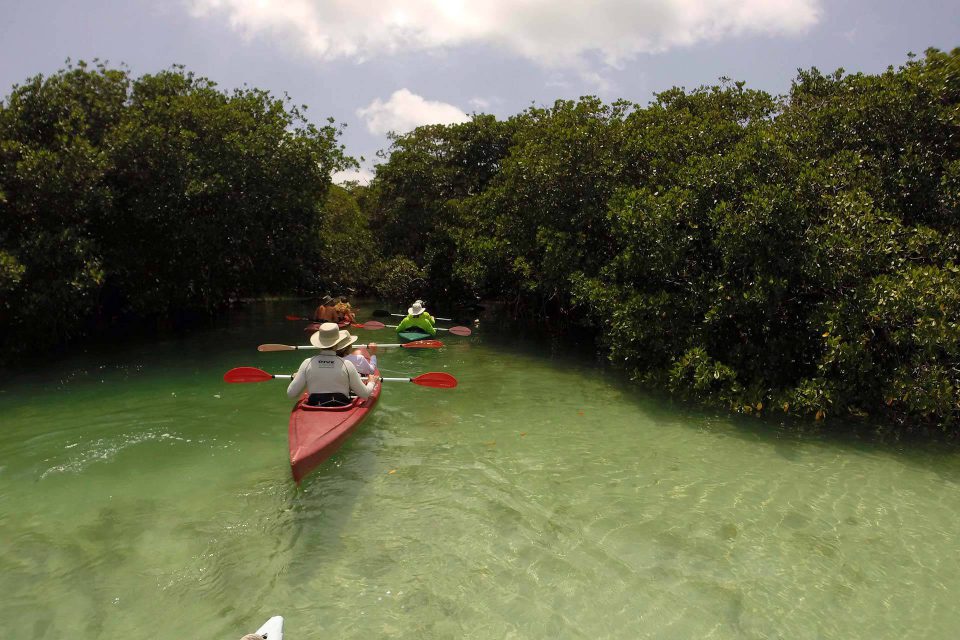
{"type": "Point", "coordinates": [418, 320]}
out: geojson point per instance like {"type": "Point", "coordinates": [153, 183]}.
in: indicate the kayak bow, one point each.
{"type": "Point", "coordinates": [272, 629]}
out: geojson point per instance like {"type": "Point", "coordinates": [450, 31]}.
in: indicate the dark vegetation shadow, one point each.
{"type": "Point", "coordinates": [786, 434]}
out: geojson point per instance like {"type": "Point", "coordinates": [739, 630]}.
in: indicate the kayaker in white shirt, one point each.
{"type": "Point", "coordinates": [328, 378]}
{"type": "Point", "coordinates": [364, 366]}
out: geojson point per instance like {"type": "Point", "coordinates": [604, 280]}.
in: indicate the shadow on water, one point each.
{"type": "Point", "coordinates": [791, 437]}
{"type": "Point", "coordinates": [323, 505]}
{"type": "Point", "coordinates": [787, 436]}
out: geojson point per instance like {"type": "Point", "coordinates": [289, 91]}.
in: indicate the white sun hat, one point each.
{"type": "Point", "coordinates": [416, 309]}
{"type": "Point", "coordinates": [328, 336]}
{"type": "Point", "coordinates": [345, 341]}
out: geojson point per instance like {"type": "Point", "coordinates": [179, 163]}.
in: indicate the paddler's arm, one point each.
{"type": "Point", "coordinates": [406, 323]}
{"type": "Point", "coordinates": [357, 385]}
{"type": "Point", "coordinates": [299, 381]}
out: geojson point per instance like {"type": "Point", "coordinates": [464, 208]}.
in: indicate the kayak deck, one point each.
{"type": "Point", "coordinates": [412, 334]}
{"type": "Point", "coordinates": [272, 629]}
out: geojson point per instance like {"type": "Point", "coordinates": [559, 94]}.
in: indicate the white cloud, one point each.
{"type": "Point", "coordinates": [480, 104]}
{"type": "Point", "coordinates": [552, 34]}
{"type": "Point", "coordinates": [405, 111]}
{"type": "Point", "coordinates": [363, 175]}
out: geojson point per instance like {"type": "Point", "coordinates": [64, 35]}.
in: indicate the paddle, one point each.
{"type": "Point", "coordinates": [312, 321]}
{"type": "Point", "coordinates": [252, 374]}
{"type": "Point", "coordinates": [376, 325]}
{"type": "Point", "coordinates": [435, 379]}
{"type": "Point", "coordinates": [416, 344]}
{"type": "Point", "coordinates": [314, 326]}
{"type": "Point", "coordinates": [382, 313]}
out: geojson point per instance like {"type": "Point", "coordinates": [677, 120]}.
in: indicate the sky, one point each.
{"type": "Point", "coordinates": [377, 66]}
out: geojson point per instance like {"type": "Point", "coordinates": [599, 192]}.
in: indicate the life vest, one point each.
{"type": "Point", "coordinates": [422, 322]}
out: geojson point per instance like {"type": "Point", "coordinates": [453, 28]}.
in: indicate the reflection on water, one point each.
{"type": "Point", "coordinates": [140, 496]}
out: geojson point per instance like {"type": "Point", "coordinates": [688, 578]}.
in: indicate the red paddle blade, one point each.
{"type": "Point", "coordinates": [423, 344]}
{"type": "Point", "coordinates": [247, 374]}
{"type": "Point", "coordinates": [313, 326]}
{"type": "Point", "coordinates": [372, 325]}
{"type": "Point", "coordinates": [296, 318]}
{"type": "Point", "coordinates": [460, 331]}
{"type": "Point", "coordinates": [435, 379]}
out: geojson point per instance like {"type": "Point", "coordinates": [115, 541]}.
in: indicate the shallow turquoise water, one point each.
{"type": "Point", "coordinates": [141, 497]}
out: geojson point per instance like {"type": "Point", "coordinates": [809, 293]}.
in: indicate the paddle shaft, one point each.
{"type": "Point", "coordinates": [376, 325]}
{"type": "Point", "coordinates": [286, 376]}
{"type": "Point", "coordinates": [384, 312]}
{"type": "Point", "coordinates": [393, 326]}
{"type": "Point", "coordinates": [403, 315]}
{"type": "Point", "coordinates": [308, 347]}
{"type": "Point", "coordinates": [436, 379]}
{"type": "Point", "coordinates": [415, 344]}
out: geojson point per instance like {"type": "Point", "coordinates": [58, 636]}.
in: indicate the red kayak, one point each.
{"type": "Point", "coordinates": [317, 432]}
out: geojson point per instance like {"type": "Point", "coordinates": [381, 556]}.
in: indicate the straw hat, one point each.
{"type": "Point", "coordinates": [328, 336]}
{"type": "Point", "coordinates": [416, 309]}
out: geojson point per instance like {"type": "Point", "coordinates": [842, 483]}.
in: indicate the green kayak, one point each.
{"type": "Point", "coordinates": [411, 335]}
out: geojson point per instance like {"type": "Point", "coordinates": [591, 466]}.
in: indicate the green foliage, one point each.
{"type": "Point", "coordinates": [793, 254]}
{"type": "Point", "coordinates": [51, 173]}
{"type": "Point", "coordinates": [399, 278]}
{"type": "Point", "coordinates": [414, 204]}
{"type": "Point", "coordinates": [347, 251]}
{"type": "Point", "coordinates": [150, 196]}
{"type": "Point", "coordinates": [11, 273]}
{"type": "Point", "coordinates": [545, 210]}
{"type": "Point", "coordinates": [696, 373]}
